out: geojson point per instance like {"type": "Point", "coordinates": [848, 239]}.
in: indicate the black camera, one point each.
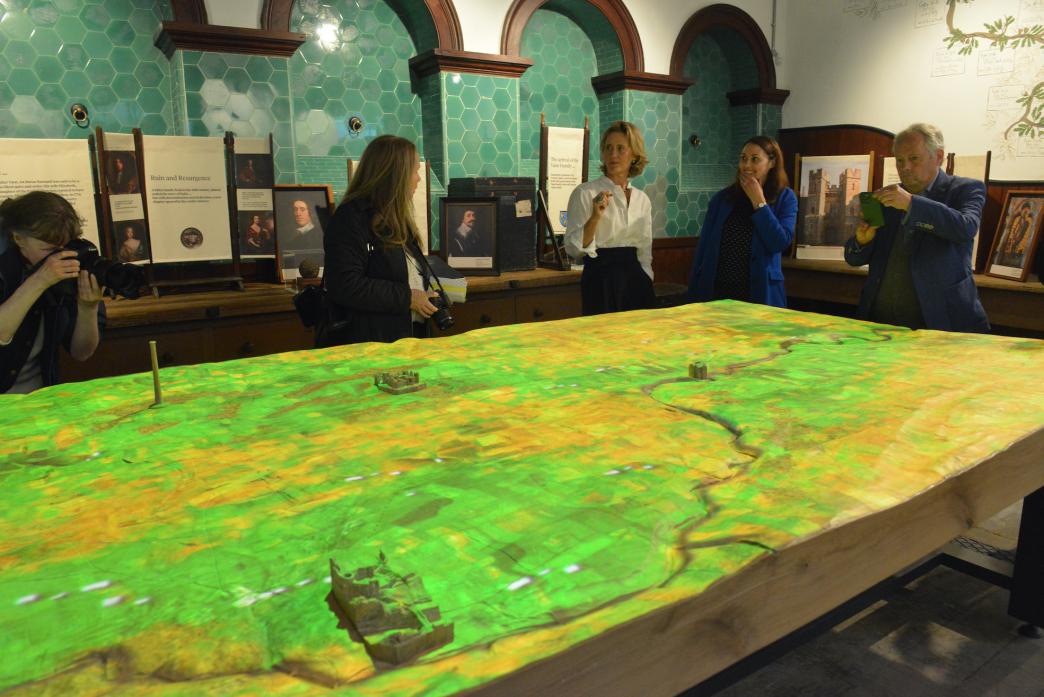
{"type": "Point", "coordinates": [441, 317]}
{"type": "Point", "coordinates": [120, 278]}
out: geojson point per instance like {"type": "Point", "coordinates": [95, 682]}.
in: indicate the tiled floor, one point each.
{"type": "Point", "coordinates": [946, 634]}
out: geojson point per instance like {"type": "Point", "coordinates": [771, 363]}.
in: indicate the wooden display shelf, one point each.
{"type": "Point", "coordinates": [1007, 303]}
{"type": "Point", "coordinates": [224, 325]}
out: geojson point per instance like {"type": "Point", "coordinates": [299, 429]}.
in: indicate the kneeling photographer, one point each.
{"type": "Point", "coordinates": [37, 312]}
{"type": "Point", "coordinates": [375, 274]}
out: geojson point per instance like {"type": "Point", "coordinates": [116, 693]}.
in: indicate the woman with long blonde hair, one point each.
{"type": "Point", "coordinates": [372, 274]}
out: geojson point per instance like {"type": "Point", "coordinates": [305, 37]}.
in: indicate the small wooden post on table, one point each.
{"type": "Point", "coordinates": [155, 375]}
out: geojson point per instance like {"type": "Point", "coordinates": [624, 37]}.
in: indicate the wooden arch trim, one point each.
{"type": "Point", "coordinates": [191, 29]}
{"type": "Point", "coordinates": [193, 11]}
{"type": "Point", "coordinates": [727, 17]}
{"type": "Point", "coordinates": [275, 14]}
{"type": "Point", "coordinates": [520, 12]}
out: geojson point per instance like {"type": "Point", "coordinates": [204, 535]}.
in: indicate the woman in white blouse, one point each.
{"type": "Point", "coordinates": [610, 225]}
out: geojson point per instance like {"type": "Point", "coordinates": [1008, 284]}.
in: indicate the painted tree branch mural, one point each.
{"type": "Point", "coordinates": [1031, 122]}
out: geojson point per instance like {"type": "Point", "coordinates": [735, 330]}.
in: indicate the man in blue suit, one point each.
{"type": "Point", "coordinates": [920, 259]}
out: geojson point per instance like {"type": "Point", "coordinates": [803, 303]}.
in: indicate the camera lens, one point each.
{"type": "Point", "coordinates": [123, 279]}
{"type": "Point", "coordinates": [441, 317]}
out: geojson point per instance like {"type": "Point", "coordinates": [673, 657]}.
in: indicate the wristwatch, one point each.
{"type": "Point", "coordinates": [760, 206]}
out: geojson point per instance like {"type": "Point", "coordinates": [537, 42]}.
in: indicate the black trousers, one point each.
{"type": "Point", "coordinates": [614, 281]}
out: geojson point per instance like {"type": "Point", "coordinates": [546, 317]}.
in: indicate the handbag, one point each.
{"type": "Point", "coordinates": [310, 304]}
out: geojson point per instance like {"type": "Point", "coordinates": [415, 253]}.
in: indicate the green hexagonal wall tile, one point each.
{"type": "Point", "coordinates": [100, 71]}
{"type": "Point", "coordinates": [148, 74]}
{"type": "Point", "coordinates": [94, 17]}
{"type": "Point", "coordinates": [559, 83]}
{"type": "Point", "coordinates": [22, 81]}
{"type": "Point", "coordinates": [121, 33]}
{"type": "Point", "coordinates": [259, 68]}
{"type": "Point", "coordinates": [48, 69]}
{"type": "Point", "coordinates": [126, 87]}
{"type": "Point", "coordinates": [18, 25]}
{"type": "Point", "coordinates": [72, 57]}
{"type": "Point", "coordinates": [123, 60]}
{"type": "Point", "coordinates": [212, 65]}
{"type": "Point", "coordinates": [46, 41]}
{"type": "Point", "coordinates": [51, 97]}
{"type": "Point", "coordinates": [471, 138]}
{"type": "Point", "coordinates": [70, 29]}
{"type": "Point", "coordinates": [20, 54]}
{"type": "Point", "coordinates": [248, 95]}
{"type": "Point", "coordinates": [97, 44]}
{"type": "Point", "coordinates": [362, 66]}
{"type": "Point", "coordinates": [102, 97]}
{"type": "Point", "coordinates": [152, 100]}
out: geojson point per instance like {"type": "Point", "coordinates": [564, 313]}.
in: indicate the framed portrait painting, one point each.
{"type": "Point", "coordinates": [122, 174]}
{"type": "Point", "coordinates": [130, 242]}
{"type": "Point", "coordinates": [301, 214]}
{"type": "Point", "coordinates": [1018, 234]}
{"type": "Point", "coordinates": [468, 240]}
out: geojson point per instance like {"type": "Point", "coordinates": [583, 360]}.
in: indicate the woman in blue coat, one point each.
{"type": "Point", "coordinates": [748, 225]}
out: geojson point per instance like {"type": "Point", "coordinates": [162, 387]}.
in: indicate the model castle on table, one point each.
{"type": "Point", "coordinates": [698, 370]}
{"type": "Point", "coordinates": [393, 614]}
{"type": "Point", "coordinates": [398, 382]}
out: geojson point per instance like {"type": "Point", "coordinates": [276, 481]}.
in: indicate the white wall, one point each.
{"type": "Point", "coordinates": [889, 70]}
{"type": "Point", "coordinates": [234, 13]}
{"type": "Point", "coordinates": [658, 23]}
{"type": "Point", "coordinates": [482, 23]}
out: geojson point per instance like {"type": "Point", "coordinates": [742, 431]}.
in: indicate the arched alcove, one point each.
{"type": "Point", "coordinates": [569, 43]}
{"type": "Point", "coordinates": [723, 50]}
{"type": "Point", "coordinates": [355, 62]}
{"type": "Point", "coordinates": [613, 11]}
{"type": "Point", "coordinates": [742, 25]}
{"type": "Point", "coordinates": [432, 23]}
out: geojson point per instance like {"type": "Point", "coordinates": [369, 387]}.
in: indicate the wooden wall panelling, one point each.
{"type": "Point", "coordinates": [672, 259]}
{"type": "Point", "coordinates": [835, 140]}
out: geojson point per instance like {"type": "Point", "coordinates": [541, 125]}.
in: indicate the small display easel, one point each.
{"type": "Point", "coordinates": [563, 166]}
{"type": "Point", "coordinates": [973, 167]}
{"type": "Point", "coordinates": [185, 198]}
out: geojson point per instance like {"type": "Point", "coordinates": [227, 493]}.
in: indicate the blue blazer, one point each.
{"type": "Point", "coordinates": [773, 233]}
{"type": "Point", "coordinates": [939, 232]}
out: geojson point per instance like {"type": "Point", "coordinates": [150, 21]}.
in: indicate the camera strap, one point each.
{"type": "Point", "coordinates": [430, 279]}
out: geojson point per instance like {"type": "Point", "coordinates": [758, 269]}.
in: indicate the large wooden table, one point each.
{"type": "Point", "coordinates": [594, 518]}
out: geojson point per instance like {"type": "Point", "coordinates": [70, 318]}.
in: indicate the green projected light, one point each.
{"type": "Point", "coordinates": [550, 482]}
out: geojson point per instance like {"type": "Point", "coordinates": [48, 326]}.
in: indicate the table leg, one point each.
{"type": "Point", "coordinates": [1027, 584]}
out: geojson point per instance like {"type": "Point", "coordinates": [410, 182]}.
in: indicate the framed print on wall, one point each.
{"type": "Point", "coordinates": [468, 239]}
{"type": "Point", "coordinates": [828, 203]}
{"type": "Point", "coordinates": [1018, 234]}
{"type": "Point", "coordinates": [301, 213]}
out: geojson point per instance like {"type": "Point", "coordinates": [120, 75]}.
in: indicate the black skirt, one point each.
{"type": "Point", "coordinates": [614, 281]}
